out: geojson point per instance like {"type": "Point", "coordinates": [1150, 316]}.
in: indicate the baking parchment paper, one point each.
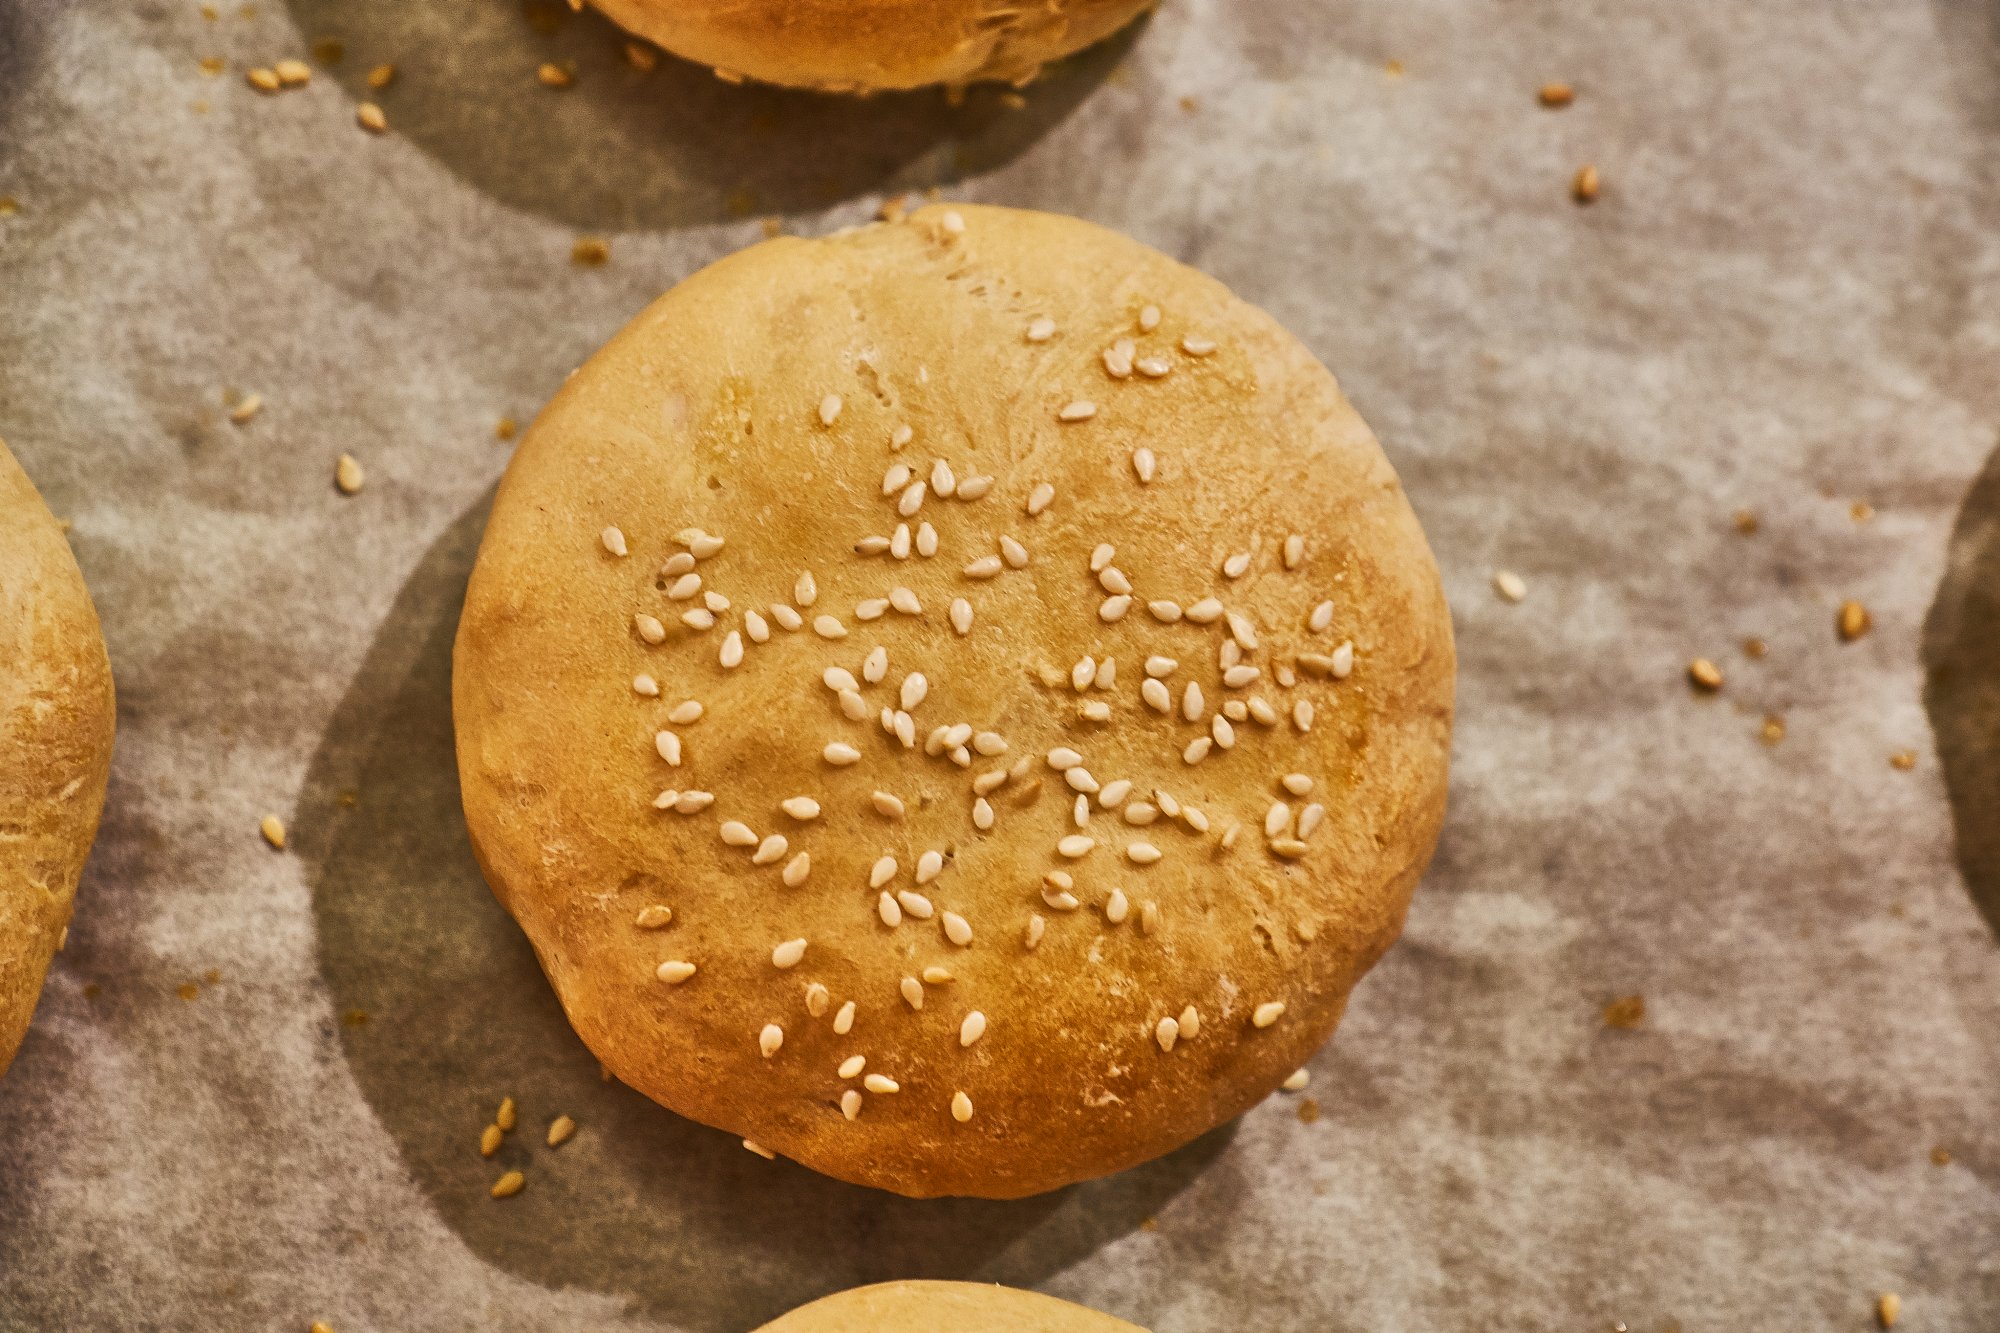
{"type": "Point", "coordinates": [254, 1089]}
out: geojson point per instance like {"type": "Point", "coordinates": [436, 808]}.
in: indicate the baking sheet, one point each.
{"type": "Point", "coordinates": [253, 1091]}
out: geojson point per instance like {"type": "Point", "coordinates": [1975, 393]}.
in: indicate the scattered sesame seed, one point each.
{"type": "Point", "coordinates": [911, 500]}
{"type": "Point", "coordinates": [738, 834]}
{"type": "Point", "coordinates": [899, 544]}
{"type": "Point", "coordinates": [882, 872]}
{"type": "Point", "coordinates": [843, 1019]}
{"type": "Point", "coordinates": [1094, 710]}
{"type": "Point", "coordinates": [985, 567]}
{"type": "Point", "coordinates": [1149, 318]}
{"type": "Point", "coordinates": [786, 617]}
{"type": "Point", "coordinates": [1081, 409]}
{"type": "Point", "coordinates": [1302, 715]}
{"type": "Point", "coordinates": [1267, 1013]}
{"type": "Point", "coordinates": [263, 80]}
{"type": "Point", "coordinates": [1149, 917]}
{"type": "Point", "coordinates": [669, 747]}
{"type": "Point", "coordinates": [982, 814]}
{"type": "Point", "coordinates": [273, 830]}
{"type": "Point", "coordinates": [699, 617]}
{"type": "Point", "coordinates": [1113, 609]}
{"type": "Point", "coordinates": [1705, 675]}
{"type": "Point", "coordinates": [1082, 674]}
{"type": "Point", "coordinates": [654, 916]}
{"type": "Point", "coordinates": [887, 804]}
{"type": "Point", "coordinates": [770, 1039]}
{"type": "Point", "coordinates": [1166, 1032]}
{"type": "Point", "coordinates": [888, 909]}
{"type": "Point", "coordinates": [1116, 907]}
{"type": "Point", "coordinates": [1170, 807]}
{"type": "Point", "coordinates": [796, 870]}
{"type": "Point", "coordinates": [800, 807]}
{"type": "Point", "coordinates": [1075, 846]}
{"type": "Point", "coordinates": [817, 999]}
{"type": "Point", "coordinates": [850, 1103]}
{"type": "Point", "coordinates": [961, 1107]}
{"type": "Point", "coordinates": [508, 1185]}
{"type": "Point", "coordinates": [953, 223]}
{"type": "Point", "coordinates": [1295, 551]}
{"type": "Point", "coordinates": [1585, 186]}
{"type": "Point", "coordinates": [788, 954]}
{"type": "Point", "coordinates": [1118, 359]}
{"type": "Point", "coordinates": [913, 992]}
{"type": "Point", "coordinates": [972, 1028]}
{"type": "Point", "coordinates": [751, 1145]}
{"type": "Point", "coordinates": [1080, 779]}
{"type": "Point", "coordinates": [901, 436]}
{"type": "Point", "coordinates": [1015, 554]}
{"type": "Point", "coordinates": [927, 540]}
{"type": "Point", "coordinates": [829, 409]}
{"type": "Point", "coordinates": [1040, 498]}
{"type": "Point", "coordinates": [1289, 848]}
{"type": "Point", "coordinates": [674, 972]}
{"type": "Point", "coordinates": [989, 743]}
{"type": "Point", "coordinates": [1197, 750]}
{"type": "Point", "coordinates": [1142, 853]}
{"type": "Point", "coordinates": [1205, 612]}
{"type": "Point", "coordinates": [943, 481]}
{"type": "Point", "coordinates": [1237, 677]}
{"type": "Point", "coordinates": [974, 488]}
{"type": "Point", "coordinates": [881, 1083]}
{"type": "Point", "coordinates": [1033, 934]}
{"type": "Point", "coordinates": [771, 850]}
{"type": "Point", "coordinates": [490, 1140]}
{"type": "Point", "coordinates": [1853, 621]}
{"type": "Point", "coordinates": [957, 929]}
{"type": "Point", "coordinates": [1195, 345]}
{"type": "Point", "coordinates": [1140, 812]}
{"type": "Point", "coordinates": [732, 651]}
{"type": "Point", "coordinates": [852, 1066]}
{"type": "Point", "coordinates": [1888, 1309]}
{"type": "Point", "coordinates": [1060, 899]}
{"type": "Point", "coordinates": [915, 904]}
{"type": "Point", "coordinates": [829, 627]}
{"type": "Point", "coordinates": [1156, 695]}
{"type": "Point", "coordinates": [896, 478]}
{"type": "Point", "coordinates": [1041, 329]}
{"type": "Point", "coordinates": [551, 75]}
{"type": "Point", "coordinates": [1506, 583]}
{"type": "Point", "coordinates": [871, 546]}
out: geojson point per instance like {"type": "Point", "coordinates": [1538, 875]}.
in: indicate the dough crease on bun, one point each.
{"type": "Point", "coordinates": [873, 45]}
{"type": "Point", "coordinates": [958, 703]}
{"type": "Point", "coordinates": [56, 722]}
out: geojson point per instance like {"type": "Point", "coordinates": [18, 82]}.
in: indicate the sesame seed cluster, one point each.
{"type": "Point", "coordinates": [958, 776]}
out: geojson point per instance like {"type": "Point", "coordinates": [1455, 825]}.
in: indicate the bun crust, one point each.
{"type": "Point", "coordinates": [870, 45]}
{"type": "Point", "coordinates": [56, 722]}
{"type": "Point", "coordinates": [926, 1307]}
{"type": "Point", "coordinates": [760, 402]}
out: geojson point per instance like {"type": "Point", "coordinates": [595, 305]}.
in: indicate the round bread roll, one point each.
{"type": "Point", "coordinates": [868, 45]}
{"type": "Point", "coordinates": [927, 1307]}
{"type": "Point", "coordinates": [56, 719]}
{"type": "Point", "coordinates": [958, 703]}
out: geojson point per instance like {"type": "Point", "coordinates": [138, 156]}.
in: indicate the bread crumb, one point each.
{"type": "Point", "coordinates": [1773, 729]}
{"type": "Point", "coordinates": [489, 1140]}
{"type": "Point", "coordinates": [273, 829]}
{"type": "Point", "coordinates": [1585, 186]}
{"type": "Point", "coordinates": [560, 1130]}
{"type": "Point", "coordinates": [1625, 1013]}
{"type": "Point", "coordinates": [1755, 648]}
{"type": "Point", "coordinates": [1861, 511]}
{"type": "Point", "coordinates": [1509, 585]}
{"type": "Point", "coordinates": [1149, 1224]}
{"type": "Point", "coordinates": [1394, 69]}
{"type": "Point", "coordinates": [1297, 1081]}
{"type": "Point", "coordinates": [329, 50]}
{"type": "Point", "coordinates": [354, 1018]}
{"type": "Point", "coordinates": [772, 227]}
{"type": "Point", "coordinates": [9, 205]}
{"type": "Point", "coordinates": [1903, 760]}
{"type": "Point", "coordinates": [263, 80]}
{"type": "Point", "coordinates": [590, 251]}
{"type": "Point", "coordinates": [554, 76]}
{"type": "Point", "coordinates": [1888, 1308]}
{"type": "Point", "coordinates": [293, 73]}
{"type": "Point", "coordinates": [504, 428]}
{"type": "Point", "coordinates": [641, 57]}
{"type": "Point", "coordinates": [213, 65]}
{"type": "Point", "coordinates": [249, 407]}
{"type": "Point", "coordinates": [381, 77]}
{"type": "Point", "coordinates": [1705, 675]}
{"type": "Point", "coordinates": [508, 1185]}
{"type": "Point", "coordinates": [1190, 104]}
{"type": "Point", "coordinates": [1746, 521]}
{"type": "Point", "coordinates": [1853, 621]}
{"type": "Point", "coordinates": [1556, 94]}
{"type": "Point", "coordinates": [1308, 1110]}
{"type": "Point", "coordinates": [894, 209]}
{"type": "Point", "coordinates": [319, 1326]}
{"type": "Point", "coordinates": [187, 990]}
{"type": "Point", "coordinates": [347, 475]}
{"type": "Point", "coordinates": [1940, 1156]}
{"type": "Point", "coordinates": [370, 118]}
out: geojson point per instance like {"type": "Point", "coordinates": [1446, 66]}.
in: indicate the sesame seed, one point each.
{"type": "Point", "coordinates": [788, 954]}
{"type": "Point", "coordinates": [701, 544]}
{"type": "Point", "coordinates": [1235, 565]}
{"type": "Point", "coordinates": [699, 617]}
{"type": "Point", "coordinates": [1118, 359]}
{"type": "Point", "coordinates": [1036, 926]}
{"type": "Point", "coordinates": [1080, 779]}
{"type": "Point", "coordinates": [1197, 750]}
{"type": "Point", "coordinates": [915, 904]}
{"type": "Point", "coordinates": [693, 802]}
{"type": "Point", "coordinates": [913, 992]}
{"type": "Point", "coordinates": [675, 972]}
{"type": "Point", "coordinates": [852, 1066]}
{"type": "Point", "coordinates": [957, 734]}
{"type": "Point", "coordinates": [1116, 907]}
{"type": "Point", "coordinates": [888, 909]}
{"type": "Point", "coordinates": [646, 686]}
{"type": "Point", "coordinates": [1075, 846]}
{"type": "Point", "coordinates": [852, 706]}
{"type": "Point", "coordinates": [1289, 848]}
{"type": "Point", "coordinates": [1194, 819]}
{"type": "Point", "coordinates": [1238, 676]}
{"type": "Point", "coordinates": [1297, 1080]}
{"type": "Point", "coordinates": [896, 478]}
{"type": "Point", "coordinates": [669, 746]}
{"type": "Point", "coordinates": [899, 545]}
{"type": "Point", "coordinates": [677, 564]}
{"type": "Point", "coordinates": [1015, 554]}
{"type": "Point", "coordinates": [1295, 551]}
{"type": "Point", "coordinates": [1112, 579]}
{"type": "Point", "coordinates": [1268, 1013]}
{"type": "Point", "coordinates": [901, 436]}
{"type": "Point", "coordinates": [927, 540]}
{"type": "Point", "coordinates": [972, 1029]}
{"type": "Point", "coordinates": [769, 1040]}
{"type": "Point", "coordinates": [1298, 784]}
{"type": "Point", "coordinates": [805, 589]}
{"type": "Point", "coordinates": [263, 80]}
{"type": "Point", "coordinates": [1277, 819]}
{"type": "Point", "coordinates": [649, 628]}
{"type": "Point", "coordinates": [1060, 899]}
{"type": "Point", "coordinates": [1094, 710]}
{"type": "Point", "coordinates": [1142, 853]}
{"type": "Point", "coordinates": [1141, 812]}
{"type": "Point", "coordinates": [1190, 1023]}
{"type": "Point", "coordinates": [938, 976]}
{"type": "Point", "coordinates": [1166, 1032]}
{"type": "Point", "coordinates": [1309, 819]}
{"type": "Point", "coordinates": [850, 1103]}
{"type": "Point", "coordinates": [1191, 702]}
{"type": "Point", "coordinates": [843, 1019]}
{"type": "Point", "coordinates": [1321, 617]}
{"type": "Point", "coordinates": [985, 567]}
{"type": "Point", "coordinates": [715, 601]}
{"type": "Point", "coordinates": [684, 587]}
{"type": "Point", "coordinates": [1156, 695]}
{"type": "Point", "coordinates": [887, 804]}
{"type": "Point", "coordinates": [829, 409]}
{"type": "Point", "coordinates": [881, 1083]}
{"type": "Point", "coordinates": [738, 834]}
{"type": "Point", "coordinates": [989, 743]}
{"type": "Point", "coordinates": [1113, 609]}
{"type": "Point", "coordinates": [943, 480]}
{"type": "Point", "coordinates": [961, 1107]}
{"type": "Point", "coordinates": [1242, 633]}
{"type": "Point", "coordinates": [1343, 661]}
{"type": "Point", "coordinates": [1063, 758]}
{"type": "Point", "coordinates": [1149, 917]}
{"type": "Point", "coordinates": [796, 870]}
{"type": "Point", "coordinates": [982, 814]}
{"type": "Point", "coordinates": [1080, 410]}
{"type": "Point", "coordinates": [1206, 611]}
{"type": "Point", "coordinates": [1149, 318]}
{"type": "Point", "coordinates": [912, 499]}
{"type": "Point", "coordinates": [871, 546]}
{"type": "Point", "coordinates": [929, 866]}
{"type": "Point", "coordinates": [829, 627]}
{"type": "Point", "coordinates": [653, 917]}
{"type": "Point", "coordinates": [1302, 715]}
{"type": "Point", "coordinates": [906, 730]}
{"type": "Point", "coordinates": [786, 617]}
{"type": "Point", "coordinates": [1261, 711]}
{"type": "Point", "coordinates": [731, 655]}
{"type": "Point", "coordinates": [975, 488]}
{"type": "Point", "coordinates": [508, 1185]}
{"type": "Point", "coordinates": [1153, 368]}
{"type": "Point", "coordinates": [614, 541]}
{"type": "Point", "coordinates": [772, 849]}
{"type": "Point", "coordinates": [1229, 654]}
{"type": "Point", "coordinates": [1234, 710]}
{"type": "Point", "coordinates": [882, 871]}
{"type": "Point", "coordinates": [957, 929]}
{"type": "Point", "coordinates": [1083, 673]}
{"type": "Point", "coordinates": [817, 999]}
{"type": "Point", "coordinates": [953, 224]}
{"type": "Point", "coordinates": [1041, 329]}
{"type": "Point", "coordinates": [1194, 345]}
{"type": "Point", "coordinates": [1040, 498]}
{"type": "Point", "coordinates": [1169, 807]}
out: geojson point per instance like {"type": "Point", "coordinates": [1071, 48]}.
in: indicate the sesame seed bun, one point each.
{"type": "Point", "coordinates": [736, 872]}
{"type": "Point", "coordinates": [56, 719]}
{"type": "Point", "coordinates": [962, 1307]}
{"type": "Point", "coordinates": [869, 45]}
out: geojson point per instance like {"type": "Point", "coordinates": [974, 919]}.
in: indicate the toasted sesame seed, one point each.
{"type": "Point", "coordinates": [850, 1103]}
{"type": "Point", "coordinates": [974, 488]}
{"type": "Point", "coordinates": [1112, 579]}
{"type": "Point", "coordinates": [714, 601]}
{"type": "Point", "coordinates": [829, 409]}
{"type": "Point", "coordinates": [1277, 819]}
{"type": "Point", "coordinates": [952, 224]}
{"type": "Point", "coordinates": [882, 871]}
{"type": "Point", "coordinates": [645, 686]}
{"type": "Point", "coordinates": [677, 564]}
{"type": "Point", "coordinates": [700, 544]}
{"type": "Point", "coordinates": [915, 904]}
{"type": "Point", "coordinates": [684, 587]}
{"type": "Point", "coordinates": [1118, 359]}
{"type": "Point", "coordinates": [1153, 368]}
{"type": "Point", "coordinates": [1116, 907]}
{"type": "Point", "coordinates": [796, 870]}
{"type": "Point", "coordinates": [1237, 677]}
{"type": "Point", "coordinates": [957, 929]}
{"type": "Point", "coordinates": [1156, 695]}
{"type": "Point", "coordinates": [1063, 758]}
{"type": "Point", "coordinates": [881, 1083]}
{"type": "Point", "coordinates": [817, 999]}
{"type": "Point", "coordinates": [853, 707]}
{"type": "Point", "coordinates": [738, 834]}
{"type": "Point", "coordinates": [873, 545]}
{"type": "Point", "coordinates": [654, 916]}
{"type": "Point", "coordinates": [872, 608]}
{"type": "Point", "coordinates": [1080, 811]}
{"type": "Point", "coordinates": [1289, 848]}
{"type": "Point", "coordinates": [1268, 1013]}
{"type": "Point", "coordinates": [263, 80]}
{"type": "Point", "coordinates": [913, 992]}
{"type": "Point", "coordinates": [1206, 611]}
{"type": "Point", "coordinates": [669, 747]}
{"type": "Point", "coordinates": [989, 743]}
{"type": "Point", "coordinates": [843, 1019]}
{"type": "Point", "coordinates": [1343, 661]}
{"type": "Point", "coordinates": [786, 617]}
{"type": "Point", "coordinates": [961, 1107]}
{"type": "Point", "coordinates": [1235, 710]}
{"type": "Point", "coordinates": [1094, 710]}
{"type": "Point", "coordinates": [1149, 318]}
{"type": "Point", "coordinates": [1191, 702]}
{"type": "Point", "coordinates": [490, 1140]}
{"type": "Point", "coordinates": [989, 782]}
{"type": "Point", "coordinates": [1190, 1021]}
{"type": "Point", "coordinates": [699, 617]}
{"type": "Point", "coordinates": [1040, 498]}
{"type": "Point", "coordinates": [1302, 715]}
{"type": "Point", "coordinates": [912, 499]}
{"type": "Point", "coordinates": [1015, 554]}
{"type": "Point", "coordinates": [1194, 819]}
{"type": "Point", "coordinates": [1080, 779]}
{"type": "Point", "coordinates": [1169, 807]}
{"type": "Point", "coordinates": [1166, 1032]}
{"type": "Point", "coordinates": [508, 1185]}
{"type": "Point", "coordinates": [943, 481]}
{"type": "Point", "coordinates": [938, 976]}
{"type": "Point", "coordinates": [674, 972]}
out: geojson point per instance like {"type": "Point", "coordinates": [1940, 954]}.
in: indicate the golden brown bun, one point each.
{"type": "Point", "coordinates": [56, 720]}
{"type": "Point", "coordinates": [708, 412]}
{"type": "Point", "coordinates": [863, 45]}
{"type": "Point", "coordinates": [929, 1307]}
